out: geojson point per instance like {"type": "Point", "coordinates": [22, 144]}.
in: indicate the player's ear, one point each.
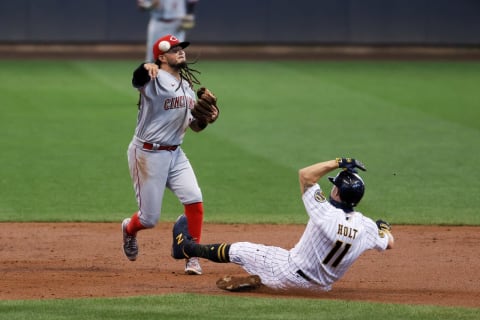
{"type": "Point", "coordinates": [334, 192]}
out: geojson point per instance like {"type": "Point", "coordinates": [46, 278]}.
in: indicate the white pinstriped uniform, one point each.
{"type": "Point", "coordinates": [330, 244]}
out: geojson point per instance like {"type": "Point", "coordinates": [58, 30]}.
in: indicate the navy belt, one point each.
{"type": "Point", "coordinates": [155, 146]}
{"type": "Point", "coordinates": [303, 275]}
{"type": "Point", "coordinates": [166, 20]}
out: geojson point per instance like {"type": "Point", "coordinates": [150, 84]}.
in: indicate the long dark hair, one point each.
{"type": "Point", "coordinates": [188, 74]}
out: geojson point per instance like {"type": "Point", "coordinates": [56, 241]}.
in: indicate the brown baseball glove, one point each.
{"type": "Point", "coordinates": [206, 109]}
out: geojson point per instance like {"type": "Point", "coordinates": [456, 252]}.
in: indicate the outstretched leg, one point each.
{"type": "Point", "coordinates": [184, 246]}
{"type": "Point", "coordinates": [214, 252]}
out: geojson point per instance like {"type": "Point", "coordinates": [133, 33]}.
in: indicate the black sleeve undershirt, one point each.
{"type": "Point", "coordinates": [140, 77]}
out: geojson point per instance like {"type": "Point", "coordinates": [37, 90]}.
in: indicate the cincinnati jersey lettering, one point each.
{"type": "Point", "coordinates": [178, 102]}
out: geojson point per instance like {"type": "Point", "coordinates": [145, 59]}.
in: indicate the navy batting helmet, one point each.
{"type": "Point", "coordinates": [350, 186]}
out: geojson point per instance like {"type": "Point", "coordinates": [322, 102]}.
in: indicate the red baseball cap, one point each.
{"type": "Point", "coordinates": [165, 43]}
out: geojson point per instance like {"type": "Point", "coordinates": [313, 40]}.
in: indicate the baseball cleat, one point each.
{"type": "Point", "coordinates": [180, 235]}
{"type": "Point", "coordinates": [192, 266]}
{"type": "Point", "coordinates": [130, 246]}
{"type": "Point", "coordinates": [231, 283]}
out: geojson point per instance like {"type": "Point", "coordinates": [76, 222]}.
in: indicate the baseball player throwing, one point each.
{"type": "Point", "coordinates": [167, 108]}
{"type": "Point", "coordinates": [335, 236]}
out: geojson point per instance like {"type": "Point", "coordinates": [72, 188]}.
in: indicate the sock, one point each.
{"type": "Point", "coordinates": [194, 213]}
{"type": "Point", "coordinates": [214, 252]}
{"type": "Point", "coordinates": [135, 225]}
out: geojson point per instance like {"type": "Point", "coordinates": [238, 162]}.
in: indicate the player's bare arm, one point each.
{"type": "Point", "coordinates": [388, 233]}
{"type": "Point", "coordinates": [310, 175]}
{"type": "Point", "coordinates": [391, 240]}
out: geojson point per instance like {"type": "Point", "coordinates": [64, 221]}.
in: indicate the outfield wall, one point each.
{"type": "Point", "coordinates": [337, 22]}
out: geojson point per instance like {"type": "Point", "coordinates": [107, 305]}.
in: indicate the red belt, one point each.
{"type": "Point", "coordinates": [154, 146]}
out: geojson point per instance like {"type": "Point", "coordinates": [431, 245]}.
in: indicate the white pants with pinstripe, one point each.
{"type": "Point", "coordinates": [272, 264]}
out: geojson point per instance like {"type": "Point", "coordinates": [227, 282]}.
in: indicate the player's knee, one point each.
{"type": "Point", "coordinates": [191, 198]}
{"type": "Point", "coordinates": [148, 221]}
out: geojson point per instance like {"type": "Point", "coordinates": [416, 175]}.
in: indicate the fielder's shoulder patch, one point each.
{"type": "Point", "coordinates": [319, 197]}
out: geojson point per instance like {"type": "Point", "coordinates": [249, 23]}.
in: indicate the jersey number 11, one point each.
{"type": "Point", "coordinates": [336, 247]}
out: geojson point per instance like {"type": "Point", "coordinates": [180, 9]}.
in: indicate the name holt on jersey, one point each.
{"type": "Point", "coordinates": [347, 231]}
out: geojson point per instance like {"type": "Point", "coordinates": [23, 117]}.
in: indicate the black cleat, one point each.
{"type": "Point", "coordinates": [180, 236]}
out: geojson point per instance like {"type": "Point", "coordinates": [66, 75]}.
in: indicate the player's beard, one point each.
{"type": "Point", "coordinates": [178, 65]}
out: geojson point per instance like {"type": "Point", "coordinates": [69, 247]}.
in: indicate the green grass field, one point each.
{"type": "Point", "coordinates": [199, 307]}
{"type": "Point", "coordinates": [66, 126]}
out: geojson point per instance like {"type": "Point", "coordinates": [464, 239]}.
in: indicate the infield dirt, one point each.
{"type": "Point", "coordinates": [430, 265]}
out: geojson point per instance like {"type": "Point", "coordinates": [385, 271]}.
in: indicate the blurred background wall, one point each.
{"type": "Point", "coordinates": [337, 22]}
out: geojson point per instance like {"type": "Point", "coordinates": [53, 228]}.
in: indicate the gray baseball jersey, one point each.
{"type": "Point", "coordinates": [330, 244]}
{"type": "Point", "coordinates": [163, 118]}
{"type": "Point", "coordinates": [164, 115]}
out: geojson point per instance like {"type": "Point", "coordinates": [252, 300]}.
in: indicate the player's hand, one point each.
{"type": "Point", "coordinates": [188, 22]}
{"type": "Point", "coordinates": [383, 225]}
{"type": "Point", "coordinates": [350, 164]}
{"type": "Point", "coordinates": [152, 69]}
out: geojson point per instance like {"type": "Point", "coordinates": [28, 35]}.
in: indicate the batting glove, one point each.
{"type": "Point", "coordinates": [383, 225]}
{"type": "Point", "coordinates": [350, 164]}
